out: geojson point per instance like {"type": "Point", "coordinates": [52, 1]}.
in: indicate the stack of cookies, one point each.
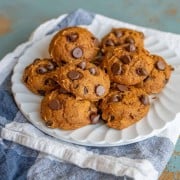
{"type": "Point", "coordinates": [86, 80]}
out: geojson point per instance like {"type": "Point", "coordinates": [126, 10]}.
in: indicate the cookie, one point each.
{"type": "Point", "coordinates": [121, 36]}
{"type": "Point", "coordinates": [158, 77]}
{"type": "Point", "coordinates": [125, 67]}
{"type": "Point", "coordinates": [73, 43]}
{"type": "Point", "coordinates": [121, 109]}
{"type": "Point", "coordinates": [64, 111]}
{"type": "Point", "coordinates": [84, 79]}
{"type": "Point", "coordinates": [38, 76]}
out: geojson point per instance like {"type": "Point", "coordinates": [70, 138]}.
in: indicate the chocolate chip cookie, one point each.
{"type": "Point", "coordinates": [84, 79]}
{"type": "Point", "coordinates": [126, 67]}
{"type": "Point", "coordinates": [121, 36]}
{"type": "Point", "coordinates": [158, 77]}
{"type": "Point", "coordinates": [63, 111]}
{"type": "Point", "coordinates": [125, 107]}
{"type": "Point", "coordinates": [73, 43]}
{"type": "Point", "coordinates": [38, 76]}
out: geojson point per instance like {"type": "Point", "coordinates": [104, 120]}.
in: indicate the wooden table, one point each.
{"type": "Point", "coordinates": [19, 18]}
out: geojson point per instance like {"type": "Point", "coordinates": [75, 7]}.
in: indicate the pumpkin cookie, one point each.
{"type": "Point", "coordinates": [63, 111]}
{"type": "Point", "coordinates": [121, 36]}
{"type": "Point", "coordinates": [158, 77]}
{"type": "Point", "coordinates": [38, 76]}
{"type": "Point", "coordinates": [121, 109]}
{"type": "Point", "coordinates": [84, 79]}
{"type": "Point", "coordinates": [73, 43]}
{"type": "Point", "coordinates": [126, 67]}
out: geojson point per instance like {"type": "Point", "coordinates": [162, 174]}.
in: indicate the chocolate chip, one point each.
{"type": "Point", "coordinates": [126, 59]}
{"type": "Point", "coordinates": [26, 79]}
{"type": "Point", "coordinates": [49, 123]}
{"type": "Point", "coordinates": [77, 52]}
{"type": "Point", "coordinates": [74, 75]}
{"type": "Point", "coordinates": [50, 82]}
{"type": "Point", "coordinates": [50, 66]}
{"type": "Point", "coordinates": [148, 78]}
{"type": "Point", "coordinates": [109, 42]}
{"type": "Point", "coordinates": [41, 70]}
{"type": "Point", "coordinates": [122, 88]}
{"type": "Point", "coordinates": [82, 65]}
{"type": "Point", "coordinates": [116, 69]}
{"type": "Point", "coordinates": [72, 37]}
{"type": "Point", "coordinates": [111, 118]}
{"type": "Point", "coordinates": [130, 48]}
{"type": "Point", "coordinates": [61, 90]}
{"type": "Point", "coordinates": [144, 99]}
{"type": "Point", "coordinates": [75, 85]}
{"type": "Point", "coordinates": [166, 81]}
{"type": "Point", "coordinates": [41, 92]}
{"type": "Point", "coordinates": [94, 117]}
{"type": "Point", "coordinates": [141, 72]}
{"type": "Point", "coordinates": [118, 34]}
{"type": "Point", "coordinates": [160, 65]}
{"type": "Point", "coordinates": [92, 71]}
{"type": "Point", "coordinates": [115, 98]}
{"type": "Point", "coordinates": [99, 90]}
{"type": "Point", "coordinates": [85, 90]}
{"type": "Point", "coordinates": [55, 104]}
{"type": "Point", "coordinates": [129, 40]}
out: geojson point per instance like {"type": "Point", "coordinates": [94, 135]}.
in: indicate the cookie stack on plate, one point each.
{"type": "Point", "coordinates": [86, 80]}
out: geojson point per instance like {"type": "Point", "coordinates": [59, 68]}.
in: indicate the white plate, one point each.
{"type": "Point", "coordinates": [162, 112]}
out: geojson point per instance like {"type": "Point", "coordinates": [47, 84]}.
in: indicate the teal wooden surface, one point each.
{"type": "Point", "coordinates": [18, 18]}
{"type": "Point", "coordinates": [25, 15]}
{"type": "Point", "coordinates": [174, 163]}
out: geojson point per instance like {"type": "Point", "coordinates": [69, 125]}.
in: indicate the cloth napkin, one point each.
{"type": "Point", "coordinates": [28, 153]}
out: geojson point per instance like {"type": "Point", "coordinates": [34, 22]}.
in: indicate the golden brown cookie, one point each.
{"type": "Point", "coordinates": [121, 109]}
{"type": "Point", "coordinates": [126, 67]}
{"type": "Point", "coordinates": [38, 76]}
{"type": "Point", "coordinates": [158, 77]}
{"type": "Point", "coordinates": [73, 43]}
{"type": "Point", "coordinates": [84, 79]}
{"type": "Point", "coordinates": [121, 36]}
{"type": "Point", "coordinates": [65, 112]}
